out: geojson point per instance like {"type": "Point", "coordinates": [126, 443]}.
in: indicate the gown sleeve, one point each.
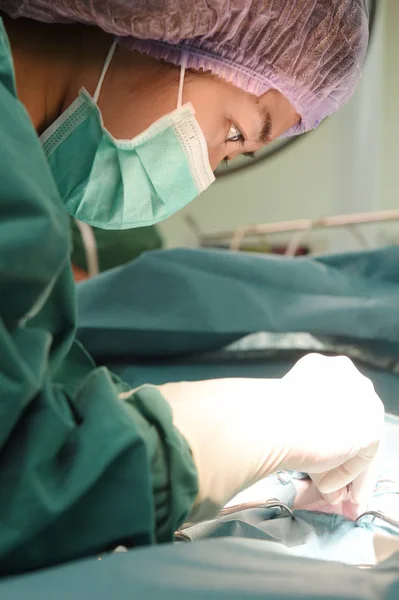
{"type": "Point", "coordinates": [81, 470]}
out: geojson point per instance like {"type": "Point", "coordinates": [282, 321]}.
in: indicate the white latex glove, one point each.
{"type": "Point", "coordinates": [323, 418]}
{"type": "Point", "coordinates": [353, 426]}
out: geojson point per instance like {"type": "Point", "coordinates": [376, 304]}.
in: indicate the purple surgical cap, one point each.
{"type": "Point", "coordinates": [312, 51]}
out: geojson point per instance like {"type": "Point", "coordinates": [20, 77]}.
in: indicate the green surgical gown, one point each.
{"type": "Point", "coordinates": [114, 248]}
{"type": "Point", "coordinates": [80, 470]}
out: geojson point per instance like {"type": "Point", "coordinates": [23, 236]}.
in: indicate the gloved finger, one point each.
{"type": "Point", "coordinates": [338, 478]}
{"type": "Point", "coordinates": [364, 485]}
{"type": "Point", "coordinates": [337, 497]}
{"type": "Point", "coordinates": [360, 491]}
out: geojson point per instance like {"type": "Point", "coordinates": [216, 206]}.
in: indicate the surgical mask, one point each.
{"type": "Point", "coordinates": [121, 184]}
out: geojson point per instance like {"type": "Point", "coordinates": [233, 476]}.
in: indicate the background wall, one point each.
{"type": "Point", "coordinates": [350, 164]}
{"type": "Point", "coordinates": [390, 137]}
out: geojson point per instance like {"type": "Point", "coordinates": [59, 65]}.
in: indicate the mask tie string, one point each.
{"type": "Point", "coordinates": [183, 67]}
{"type": "Point", "coordinates": [104, 72]}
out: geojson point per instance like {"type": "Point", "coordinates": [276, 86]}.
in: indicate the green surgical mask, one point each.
{"type": "Point", "coordinates": [121, 184]}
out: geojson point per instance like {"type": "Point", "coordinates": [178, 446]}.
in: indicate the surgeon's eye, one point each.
{"type": "Point", "coordinates": [235, 134]}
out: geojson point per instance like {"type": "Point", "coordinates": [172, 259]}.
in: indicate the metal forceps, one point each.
{"type": "Point", "coordinates": [377, 514]}
{"type": "Point", "coordinates": [272, 503]}
{"type": "Point", "coordinates": [236, 508]}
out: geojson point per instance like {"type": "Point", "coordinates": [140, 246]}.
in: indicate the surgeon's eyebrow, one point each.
{"type": "Point", "coordinates": [264, 136]}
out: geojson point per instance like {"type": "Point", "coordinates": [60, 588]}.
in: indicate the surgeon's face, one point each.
{"type": "Point", "coordinates": [233, 121]}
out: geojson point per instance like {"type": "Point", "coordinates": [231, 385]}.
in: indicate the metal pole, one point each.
{"type": "Point", "coordinates": [300, 225]}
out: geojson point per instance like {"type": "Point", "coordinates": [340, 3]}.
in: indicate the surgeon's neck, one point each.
{"type": "Point", "coordinates": [50, 61]}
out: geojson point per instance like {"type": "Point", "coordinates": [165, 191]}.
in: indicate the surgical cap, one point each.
{"type": "Point", "coordinates": [312, 51]}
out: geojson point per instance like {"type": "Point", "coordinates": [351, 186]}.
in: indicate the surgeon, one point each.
{"type": "Point", "coordinates": [117, 113]}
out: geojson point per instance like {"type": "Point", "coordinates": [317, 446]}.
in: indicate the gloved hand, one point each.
{"type": "Point", "coordinates": [323, 418]}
